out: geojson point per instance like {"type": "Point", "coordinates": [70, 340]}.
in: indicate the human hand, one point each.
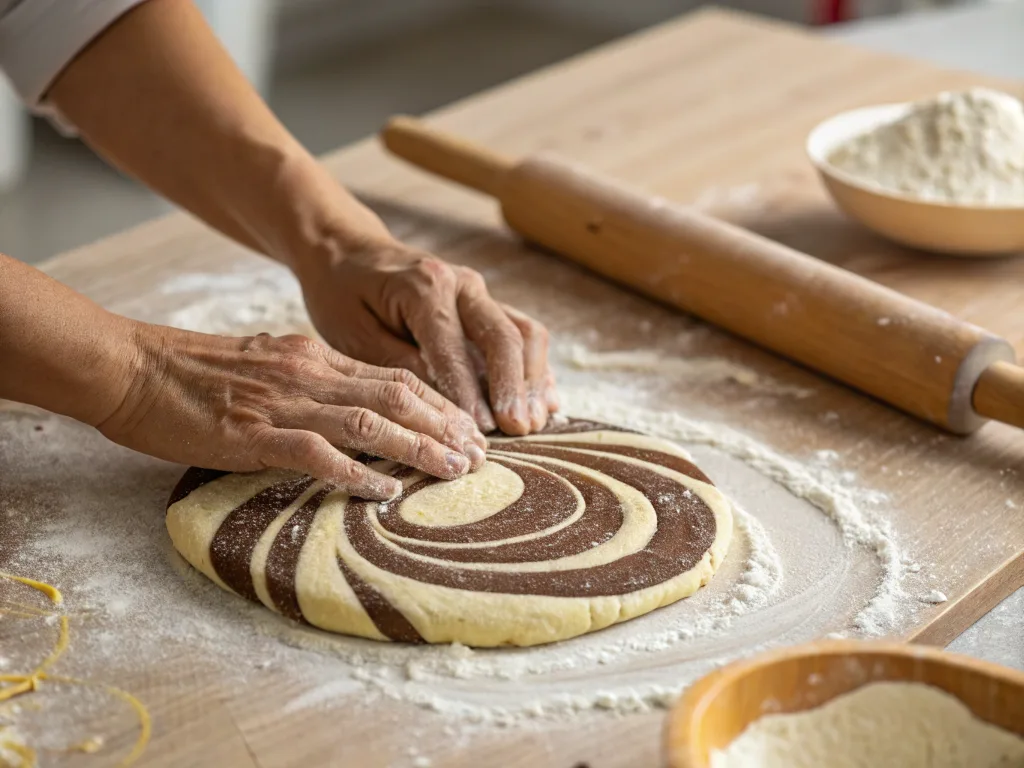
{"type": "Point", "coordinates": [397, 306]}
{"type": "Point", "coordinates": [245, 404]}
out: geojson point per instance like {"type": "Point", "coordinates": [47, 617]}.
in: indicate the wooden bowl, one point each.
{"type": "Point", "coordinates": [719, 706]}
{"type": "Point", "coordinates": [959, 229]}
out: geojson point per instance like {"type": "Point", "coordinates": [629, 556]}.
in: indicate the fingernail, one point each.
{"type": "Point", "coordinates": [474, 454]}
{"type": "Point", "coordinates": [520, 414]}
{"type": "Point", "coordinates": [473, 433]}
{"type": "Point", "coordinates": [485, 419]}
{"type": "Point", "coordinates": [458, 463]}
{"type": "Point", "coordinates": [551, 395]}
{"type": "Point", "coordinates": [395, 491]}
{"type": "Point", "coordinates": [538, 411]}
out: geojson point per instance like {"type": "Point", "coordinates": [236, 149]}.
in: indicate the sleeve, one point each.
{"type": "Point", "coordinates": [38, 38]}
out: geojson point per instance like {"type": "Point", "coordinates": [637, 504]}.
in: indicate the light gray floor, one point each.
{"type": "Point", "coordinates": [71, 198]}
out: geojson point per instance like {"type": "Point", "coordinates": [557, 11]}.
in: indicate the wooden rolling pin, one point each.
{"type": "Point", "coordinates": [915, 357]}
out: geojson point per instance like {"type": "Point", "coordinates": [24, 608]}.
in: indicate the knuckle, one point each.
{"type": "Point", "coordinates": [420, 448]}
{"type": "Point", "coordinates": [410, 381]}
{"type": "Point", "coordinates": [306, 449]}
{"type": "Point", "coordinates": [257, 439]}
{"type": "Point", "coordinates": [433, 274]}
{"type": "Point", "coordinates": [473, 280]}
{"type": "Point", "coordinates": [364, 425]}
{"type": "Point", "coordinates": [304, 345]}
{"type": "Point", "coordinates": [453, 430]}
{"type": "Point", "coordinates": [349, 473]}
{"type": "Point", "coordinates": [532, 331]}
{"type": "Point", "coordinates": [293, 367]}
{"type": "Point", "coordinates": [396, 398]}
{"type": "Point", "coordinates": [259, 342]}
{"type": "Point", "coordinates": [508, 336]}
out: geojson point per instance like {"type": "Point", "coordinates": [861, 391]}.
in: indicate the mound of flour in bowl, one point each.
{"type": "Point", "coordinates": [905, 724]}
{"type": "Point", "coordinates": [962, 147]}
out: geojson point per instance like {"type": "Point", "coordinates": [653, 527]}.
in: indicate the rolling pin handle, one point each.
{"type": "Point", "coordinates": [999, 393]}
{"type": "Point", "coordinates": [460, 161]}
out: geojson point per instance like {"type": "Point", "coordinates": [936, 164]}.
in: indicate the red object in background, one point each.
{"type": "Point", "coordinates": [832, 11]}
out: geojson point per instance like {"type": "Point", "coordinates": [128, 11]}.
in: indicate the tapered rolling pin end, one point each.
{"type": "Point", "coordinates": [999, 393]}
{"type": "Point", "coordinates": [460, 161]}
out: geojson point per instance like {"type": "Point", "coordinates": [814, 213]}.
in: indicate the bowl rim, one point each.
{"type": "Point", "coordinates": [691, 705]}
{"type": "Point", "coordinates": [819, 159]}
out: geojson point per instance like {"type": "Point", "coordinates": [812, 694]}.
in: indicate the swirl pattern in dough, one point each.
{"type": "Point", "coordinates": [559, 534]}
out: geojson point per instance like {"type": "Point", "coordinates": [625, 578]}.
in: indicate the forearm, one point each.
{"type": "Point", "coordinates": [158, 96]}
{"type": "Point", "coordinates": [58, 349]}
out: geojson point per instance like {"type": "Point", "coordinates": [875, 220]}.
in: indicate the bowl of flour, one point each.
{"type": "Point", "coordinates": [944, 174]}
{"type": "Point", "coordinates": [849, 704]}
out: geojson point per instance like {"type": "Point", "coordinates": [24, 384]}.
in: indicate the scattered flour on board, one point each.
{"type": "Point", "coordinates": [118, 563]}
{"type": "Point", "coordinates": [118, 549]}
{"type": "Point", "coordinates": [698, 370]}
{"type": "Point", "coordinates": [859, 524]}
{"type": "Point", "coordinates": [239, 303]}
{"type": "Point", "coordinates": [742, 197]}
{"type": "Point", "coordinates": [448, 679]}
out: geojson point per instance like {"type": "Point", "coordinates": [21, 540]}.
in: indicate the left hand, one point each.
{"type": "Point", "coordinates": [396, 306]}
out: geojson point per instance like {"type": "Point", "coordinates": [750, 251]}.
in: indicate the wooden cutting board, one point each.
{"type": "Point", "coordinates": [712, 109]}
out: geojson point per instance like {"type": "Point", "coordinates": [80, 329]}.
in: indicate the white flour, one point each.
{"type": "Point", "coordinates": [812, 555]}
{"type": "Point", "coordinates": [697, 370]}
{"type": "Point", "coordinates": [788, 578]}
{"type": "Point", "coordinates": [267, 301]}
{"type": "Point", "coordinates": [965, 147]}
{"type": "Point", "coordinates": [899, 724]}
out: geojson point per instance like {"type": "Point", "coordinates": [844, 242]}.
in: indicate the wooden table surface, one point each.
{"type": "Point", "coordinates": [712, 108]}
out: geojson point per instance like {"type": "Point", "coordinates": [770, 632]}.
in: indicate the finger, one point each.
{"type": "Point", "coordinates": [391, 352]}
{"type": "Point", "coordinates": [443, 346]}
{"type": "Point", "coordinates": [312, 454]}
{"type": "Point", "coordinates": [502, 344]}
{"type": "Point", "coordinates": [398, 402]}
{"type": "Point", "coordinates": [458, 420]}
{"type": "Point", "coordinates": [551, 394]}
{"type": "Point", "coordinates": [535, 365]}
{"type": "Point", "coordinates": [454, 416]}
{"type": "Point", "coordinates": [371, 433]}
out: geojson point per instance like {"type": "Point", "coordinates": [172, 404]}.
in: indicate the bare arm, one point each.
{"type": "Point", "coordinates": [235, 404]}
{"type": "Point", "coordinates": [157, 95]}
{"type": "Point", "coordinates": [59, 350]}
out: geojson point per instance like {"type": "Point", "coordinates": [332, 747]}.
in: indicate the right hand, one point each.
{"type": "Point", "coordinates": [244, 404]}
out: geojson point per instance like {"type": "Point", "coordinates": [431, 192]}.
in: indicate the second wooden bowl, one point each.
{"type": "Point", "coordinates": [719, 707]}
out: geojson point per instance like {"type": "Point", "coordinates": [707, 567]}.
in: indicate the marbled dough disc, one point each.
{"type": "Point", "coordinates": [559, 534]}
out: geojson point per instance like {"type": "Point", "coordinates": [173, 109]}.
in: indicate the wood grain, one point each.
{"type": "Point", "coordinates": [884, 343]}
{"type": "Point", "coordinates": [998, 394]}
{"type": "Point", "coordinates": [712, 109]}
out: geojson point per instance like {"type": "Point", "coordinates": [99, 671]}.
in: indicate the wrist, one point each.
{"type": "Point", "coordinates": [323, 224]}
{"type": "Point", "coordinates": [118, 363]}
